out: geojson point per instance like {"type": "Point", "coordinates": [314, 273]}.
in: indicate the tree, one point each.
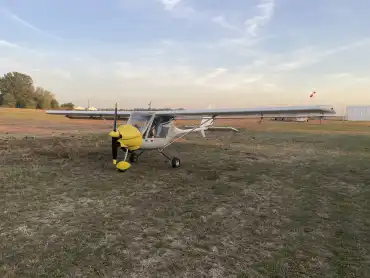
{"type": "Point", "coordinates": [44, 99]}
{"type": "Point", "coordinates": [9, 100]}
{"type": "Point", "coordinates": [19, 86]}
{"type": "Point", "coordinates": [54, 104]}
{"type": "Point", "coordinates": [68, 106]}
{"type": "Point", "coordinates": [17, 90]}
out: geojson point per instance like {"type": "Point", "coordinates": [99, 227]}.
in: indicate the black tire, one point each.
{"type": "Point", "coordinates": [133, 158]}
{"type": "Point", "coordinates": [175, 162]}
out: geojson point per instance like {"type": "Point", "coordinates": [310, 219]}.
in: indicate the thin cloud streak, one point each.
{"type": "Point", "coordinates": [170, 4]}
{"type": "Point", "coordinates": [27, 24]}
{"type": "Point", "coordinates": [4, 43]}
{"type": "Point", "coordinates": [267, 8]}
{"type": "Point", "coordinates": [312, 56]}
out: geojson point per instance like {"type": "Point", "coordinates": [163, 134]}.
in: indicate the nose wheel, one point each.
{"type": "Point", "coordinates": [134, 157]}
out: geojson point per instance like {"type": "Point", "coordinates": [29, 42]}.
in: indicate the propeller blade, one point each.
{"type": "Point", "coordinates": [114, 140]}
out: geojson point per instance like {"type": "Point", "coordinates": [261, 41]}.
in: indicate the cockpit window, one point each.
{"type": "Point", "coordinates": [139, 121]}
{"type": "Point", "coordinates": [160, 127]}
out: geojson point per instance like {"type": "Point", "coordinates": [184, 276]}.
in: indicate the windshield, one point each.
{"type": "Point", "coordinates": [140, 121]}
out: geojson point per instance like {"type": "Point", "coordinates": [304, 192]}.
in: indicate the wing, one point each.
{"type": "Point", "coordinates": [262, 111]}
{"type": "Point", "coordinates": [89, 114]}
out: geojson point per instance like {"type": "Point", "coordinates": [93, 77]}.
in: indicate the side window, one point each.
{"type": "Point", "coordinates": [159, 127]}
{"type": "Point", "coordinates": [162, 131]}
{"type": "Point", "coordinates": [164, 125]}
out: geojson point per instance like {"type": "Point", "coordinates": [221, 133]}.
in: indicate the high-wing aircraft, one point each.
{"type": "Point", "coordinates": [155, 130]}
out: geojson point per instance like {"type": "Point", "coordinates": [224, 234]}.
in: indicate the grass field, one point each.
{"type": "Point", "coordinates": [274, 200]}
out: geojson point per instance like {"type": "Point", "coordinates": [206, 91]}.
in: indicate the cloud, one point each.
{"type": "Point", "coordinates": [223, 79]}
{"type": "Point", "coordinates": [185, 12]}
{"type": "Point", "coordinates": [347, 77]}
{"type": "Point", "coordinates": [8, 44]}
{"type": "Point", "coordinates": [239, 45]}
{"type": "Point", "coordinates": [60, 73]}
{"type": "Point", "coordinates": [339, 75]}
{"type": "Point", "coordinates": [7, 64]}
{"type": "Point", "coordinates": [209, 76]}
{"type": "Point", "coordinates": [312, 55]}
{"type": "Point", "coordinates": [23, 49]}
{"type": "Point", "coordinates": [127, 70]}
{"type": "Point", "coordinates": [252, 78]}
{"type": "Point", "coordinates": [170, 4]}
{"type": "Point", "coordinates": [241, 37]}
{"type": "Point", "coordinates": [221, 20]}
{"type": "Point", "coordinates": [27, 24]}
{"type": "Point", "coordinates": [180, 9]}
{"type": "Point", "coordinates": [266, 8]}
{"type": "Point", "coordinates": [174, 74]}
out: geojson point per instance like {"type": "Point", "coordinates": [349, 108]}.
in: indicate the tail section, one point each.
{"type": "Point", "coordinates": [206, 122]}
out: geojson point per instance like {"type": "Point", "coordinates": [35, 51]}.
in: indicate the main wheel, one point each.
{"type": "Point", "coordinates": [133, 158]}
{"type": "Point", "coordinates": [175, 162]}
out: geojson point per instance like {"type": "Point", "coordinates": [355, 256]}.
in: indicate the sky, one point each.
{"type": "Point", "coordinates": [190, 53]}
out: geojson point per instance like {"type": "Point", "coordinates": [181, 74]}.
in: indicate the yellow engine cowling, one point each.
{"type": "Point", "coordinates": [129, 137]}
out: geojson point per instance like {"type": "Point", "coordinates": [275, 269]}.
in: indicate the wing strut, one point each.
{"type": "Point", "coordinates": [186, 133]}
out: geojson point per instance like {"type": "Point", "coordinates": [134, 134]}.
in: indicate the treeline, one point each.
{"type": "Point", "coordinates": [17, 90]}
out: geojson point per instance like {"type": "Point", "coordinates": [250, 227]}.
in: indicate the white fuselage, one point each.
{"type": "Point", "coordinates": [159, 143]}
{"type": "Point", "coordinates": [154, 143]}
{"type": "Point", "coordinates": [165, 131]}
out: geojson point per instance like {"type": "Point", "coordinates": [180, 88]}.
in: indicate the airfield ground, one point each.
{"type": "Point", "coordinates": [275, 200]}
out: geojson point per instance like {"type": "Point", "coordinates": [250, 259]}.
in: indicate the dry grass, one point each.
{"type": "Point", "coordinates": [272, 203]}
{"type": "Point", "coordinates": [24, 122]}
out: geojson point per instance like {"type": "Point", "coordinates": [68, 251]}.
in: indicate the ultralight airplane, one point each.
{"type": "Point", "coordinates": [155, 130]}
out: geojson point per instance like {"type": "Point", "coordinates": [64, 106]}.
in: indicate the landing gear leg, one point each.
{"type": "Point", "coordinates": [175, 161]}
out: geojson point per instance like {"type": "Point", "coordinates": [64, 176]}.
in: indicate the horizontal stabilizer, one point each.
{"type": "Point", "coordinates": [216, 128]}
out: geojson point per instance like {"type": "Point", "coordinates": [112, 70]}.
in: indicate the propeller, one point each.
{"type": "Point", "coordinates": [114, 139]}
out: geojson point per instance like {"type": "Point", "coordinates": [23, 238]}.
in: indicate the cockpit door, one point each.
{"type": "Point", "coordinates": [160, 126]}
{"type": "Point", "coordinates": [141, 121]}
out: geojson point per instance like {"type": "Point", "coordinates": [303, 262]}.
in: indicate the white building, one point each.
{"type": "Point", "coordinates": [82, 108]}
{"type": "Point", "coordinates": [358, 113]}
